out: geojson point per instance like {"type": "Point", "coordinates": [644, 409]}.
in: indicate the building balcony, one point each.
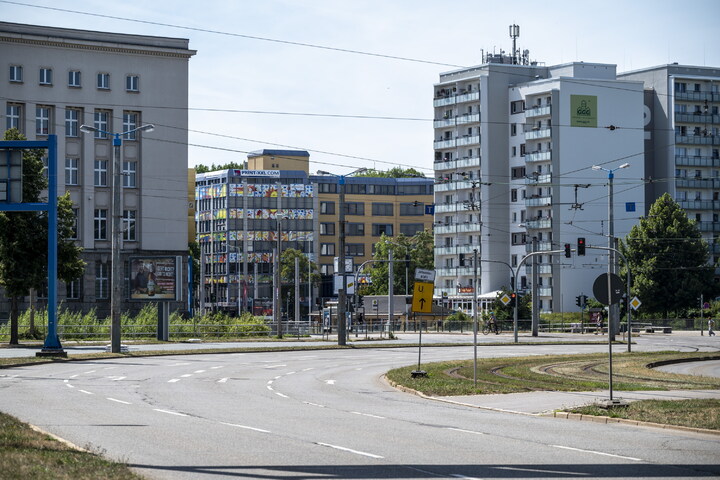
{"type": "Point", "coordinates": [468, 140]}
{"type": "Point", "coordinates": [443, 101]}
{"type": "Point", "coordinates": [697, 182]}
{"type": "Point", "coordinates": [699, 161]}
{"type": "Point", "coordinates": [696, 117]}
{"type": "Point", "coordinates": [538, 111]}
{"type": "Point", "coordinates": [449, 207]}
{"type": "Point", "coordinates": [697, 139]}
{"type": "Point", "coordinates": [452, 186]}
{"type": "Point", "coordinates": [468, 97]}
{"type": "Point", "coordinates": [536, 201]}
{"type": "Point", "coordinates": [467, 118]}
{"type": "Point", "coordinates": [543, 269]}
{"type": "Point", "coordinates": [539, 179]}
{"type": "Point", "coordinates": [698, 96]}
{"type": "Point", "coordinates": [545, 132]}
{"type": "Point", "coordinates": [444, 123]}
{"type": "Point", "coordinates": [454, 271]}
{"type": "Point", "coordinates": [465, 162]}
{"type": "Point", "coordinates": [699, 204]}
{"type": "Point", "coordinates": [538, 156]}
{"type": "Point", "coordinates": [538, 224]}
{"type": "Point", "coordinates": [444, 143]}
{"type": "Point", "coordinates": [544, 291]}
{"type": "Point", "coordinates": [541, 247]}
{"type": "Point", "coordinates": [457, 249]}
{"type": "Point", "coordinates": [458, 228]}
{"type": "Point", "coordinates": [709, 226]}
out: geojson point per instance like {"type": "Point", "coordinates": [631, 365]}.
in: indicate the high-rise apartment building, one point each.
{"type": "Point", "coordinates": [682, 141]}
{"type": "Point", "coordinates": [515, 143]}
{"type": "Point", "coordinates": [242, 213]}
{"type": "Point", "coordinates": [53, 81]}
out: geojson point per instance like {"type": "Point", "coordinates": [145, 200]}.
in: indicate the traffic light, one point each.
{"type": "Point", "coordinates": [568, 253]}
{"type": "Point", "coordinates": [361, 303]}
{"type": "Point", "coordinates": [581, 246]}
{"type": "Point", "coordinates": [584, 300]}
{"type": "Point", "coordinates": [578, 300]}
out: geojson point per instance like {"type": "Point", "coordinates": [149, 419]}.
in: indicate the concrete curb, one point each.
{"type": "Point", "coordinates": [59, 439]}
{"type": "Point", "coordinates": [625, 421]}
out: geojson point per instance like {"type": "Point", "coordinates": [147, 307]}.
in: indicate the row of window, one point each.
{"type": "Point", "coordinates": [72, 172]}
{"type": "Point", "coordinates": [100, 224]}
{"type": "Point", "coordinates": [378, 209]}
{"type": "Point", "coordinates": [369, 189]}
{"type": "Point", "coordinates": [378, 229]}
{"type": "Point", "coordinates": [45, 77]}
{"type": "Point", "coordinates": [44, 121]}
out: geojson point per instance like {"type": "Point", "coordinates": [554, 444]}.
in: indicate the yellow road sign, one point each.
{"type": "Point", "coordinates": [422, 297]}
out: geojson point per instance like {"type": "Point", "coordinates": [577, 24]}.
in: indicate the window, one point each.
{"type": "Point", "coordinates": [73, 289]}
{"type": "Point", "coordinates": [71, 171]}
{"type": "Point", "coordinates": [13, 117]}
{"type": "Point", "coordinates": [514, 151]}
{"type": "Point", "coordinates": [412, 209]}
{"type": "Point", "coordinates": [327, 187]}
{"type": "Point", "coordinates": [379, 229]}
{"type": "Point", "coordinates": [355, 249]}
{"type": "Point", "coordinates": [101, 173]}
{"type": "Point", "coordinates": [46, 76]}
{"type": "Point", "coordinates": [327, 269]}
{"type": "Point", "coordinates": [381, 189]}
{"type": "Point", "coordinates": [72, 116]}
{"type": "Point", "coordinates": [327, 249]}
{"type": "Point", "coordinates": [382, 209]}
{"type": "Point", "coordinates": [100, 227]}
{"type": "Point", "coordinates": [74, 78]}
{"type": "Point", "coordinates": [513, 129]}
{"type": "Point", "coordinates": [518, 172]}
{"type": "Point", "coordinates": [517, 106]}
{"type": "Point", "coordinates": [522, 149]}
{"type": "Point", "coordinates": [410, 229]}
{"type": "Point", "coordinates": [128, 227]}
{"type": "Point", "coordinates": [74, 235]}
{"type": "Point", "coordinates": [354, 208]}
{"type": "Point", "coordinates": [355, 229]}
{"type": "Point", "coordinates": [129, 173]}
{"type": "Point", "coordinates": [680, 87]}
{"type": "Point", "coordinates": [327, 208]}
{"type": "Point", "coordinates": [356, 188]}
{"type": "Point", "coordinates": [16, 73]}
{"type": "Point", "coordinates": [132, 83]}
{"type": "Point", "coordinates": [103, 81]}
{"type": "Point", "coordinates": [130, 124]}
{"type": "Point", "coordinates": [101, 123]}
{"type": "Point", "coordinates": [513, 195]}
{"type": "Point", "coordinates": [42, 120]}
{"type": "Point", "coordinates": [327, 229]}
{"type": "Point", "coordinates": [102, 283]}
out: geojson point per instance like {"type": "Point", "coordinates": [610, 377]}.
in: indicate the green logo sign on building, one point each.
{"type": "Point", "coordinates": [583, 111]}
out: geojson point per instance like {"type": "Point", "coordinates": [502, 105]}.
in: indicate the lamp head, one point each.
{"type": "Point", "coordinates": [88, 129]}
{"type": "Point", "coordinates": [596, 167]}
{"type": "Point", "coordinates": [624, 165]}
{"type": "Point", "coordinates": [147, 128]}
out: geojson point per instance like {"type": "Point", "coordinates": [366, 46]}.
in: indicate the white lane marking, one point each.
{"type": "Point", "coordinates": [69, 386]}
{"type": "Point", "coordinates": [270, 388]}
{"type": "Point", "coordinates": [66, 381]}
{"type": "Point", "coordinates": [455, 475]}
{"type": "Point", "coordinates": [116, 378]}
{"type": "Point", "coordinates": [330, 382]}
{"type": "Point", "coordinates": [281, 395]}
{"type": "Point", "coordinates": [270, 382]}
{"type": "Point", "coordinates": [538, 470]}
{"type": "Point", "coordinates": [180, 364]}
{"type": "Point", "coordinates": [345, 449]}
{"type": "Point", "coordinates": [73, 376]}
{"type": "Point", "coordinates": [308, 369]}
{"type": "Point", "coordinates": [276, 377]}
{"type": "Point", "coordinates": [290, 373]}
{"type": "Point", "coordinates": [215, 368]}
{"type": "Point", "coordinates": [223, 380]}
{"type": "Point", "coordinates": [597, 453]}
{"type": "Point", "coordinates": [368, 415]}
{"type": "Point", "coordinates": [186, 375]}
{"type": "Point", "coordinates": [199, 371]}
{"type": "Point", "coordinates": [245, 427]}
{"type": "Point", "coordinates": [170, 412]}
{"type": "Point", "coordinates": [308, 356]}
{"type": "Point", "coordinates": [173, 380]}
{"type": "Point", "coordinates": [85, 391]}
{"type": "Point", "coordinates": [119, 401]}
{"type": "Point", "coordinates": [109, 368]}
{"type": "Point", "coordinates": [275, 366]}
{"type": "Point", "coordinates": [358, 369]}
{"type": "Point", "coordinates": [89, 371]}
{"type": "Point", "coordinates": [314, 404]}
{"type": "Point", "coordinates": [465, 431]}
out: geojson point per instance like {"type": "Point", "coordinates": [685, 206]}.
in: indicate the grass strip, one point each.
{"type": "Point", "coordinates": [695, 413]}
{"type": "Point", "coordinates": [26, 453]}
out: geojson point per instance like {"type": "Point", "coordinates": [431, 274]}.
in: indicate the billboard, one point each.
{"type": "Point", "coordinates": [583, 111]}
{"type": "Point", "coordinates": [153, 278]}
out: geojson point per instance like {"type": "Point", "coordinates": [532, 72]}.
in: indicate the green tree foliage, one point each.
{"type": "Point", "coordinates": [505, 312]}
{"type": "Point", "coordinates": [215, 168]}
{"type": "Point", "coordinates": [287, 275]}
{"type": "Point", "coordinates": [668, 260]}
{"type": "Point", "coordinates": [24, 238]}
{"type": "Point", "coordinates": [419, 249]}
{"type": "Point", "coordinates": [395, 172]}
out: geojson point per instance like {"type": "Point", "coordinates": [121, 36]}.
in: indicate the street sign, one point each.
{"type": "Point", "coordinates": [374, 302]}
{"type": "Point", "coordinates": [424, 275]}
{"type": "Point", "coordinates": [505, 299]}
{"type": "Point", "coordinates": [600, 289]}
{"type": "Point", "coordinates": [635, 303]}
{"type": "Point", "coordinates": [422, 297]}
{"type": "Point", "coordinates": [706, 306]}
{"type": "Point", "coordinates": [430, 209]}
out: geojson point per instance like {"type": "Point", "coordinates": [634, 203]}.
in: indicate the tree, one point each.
{"type": "Point", "coordinates": [287, 275]}
{"type": "Point", "coordinates": [419, 250]}
{"type": "Point", "coordinates": [395, 172]}
{"type": "Point", "coordinates": [668, 259]}
{"type": "Point", "coordinates": [215, 168]}
{"type": "Point", "coordinates": [506, 312]}
{"type": "Point", "coordinates": [24, 239]}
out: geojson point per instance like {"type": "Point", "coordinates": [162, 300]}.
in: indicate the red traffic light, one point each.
{"type": "Point", "coordinates": [581, 246]}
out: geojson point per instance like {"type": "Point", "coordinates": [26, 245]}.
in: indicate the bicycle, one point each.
{"type": "Point", "coordinates": [491, 327]}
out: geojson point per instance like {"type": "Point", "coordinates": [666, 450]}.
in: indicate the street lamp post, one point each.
{"type": "Point", "coordinates": [116, 230]}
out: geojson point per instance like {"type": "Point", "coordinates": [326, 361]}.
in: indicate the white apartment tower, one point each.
{"type": "Point", "coordinates": [53, 81]}
{"type": "Point", "coordinates": [515, 143]}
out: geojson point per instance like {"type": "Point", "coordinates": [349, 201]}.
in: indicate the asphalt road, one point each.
{"type": "Point", "coordinates": [328, 414]}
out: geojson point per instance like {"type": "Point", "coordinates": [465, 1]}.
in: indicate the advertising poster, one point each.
{"type": "Point", "coordinates": [152, 278]}
{"type": "Point", "coordinates": [583, 111]}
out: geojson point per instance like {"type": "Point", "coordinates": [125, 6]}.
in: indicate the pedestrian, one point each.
{"type": "Point", "coordinates": [711, 324]}
{"type": "Point", "coordinates": [598, 323]}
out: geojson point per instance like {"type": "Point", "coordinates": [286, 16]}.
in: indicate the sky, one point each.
{"type": "Point", "coordinates": [352, 110]}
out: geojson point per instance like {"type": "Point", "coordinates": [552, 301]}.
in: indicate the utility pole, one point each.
{"type": "Point", "coordinates": [535, 301]}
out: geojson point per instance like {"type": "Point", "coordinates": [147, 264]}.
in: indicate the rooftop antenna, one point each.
{"type": "Point", "coordinates": [514, 34]}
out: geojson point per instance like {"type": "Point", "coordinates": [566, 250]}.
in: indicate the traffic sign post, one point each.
{"type": "Point", "coordinates": [421, 303]}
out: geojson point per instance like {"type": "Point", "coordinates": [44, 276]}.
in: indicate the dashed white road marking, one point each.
{"type": "Point", "coordinates": [85, 391]}
{"type": "Point", "coordinates": [345, 449]}
{"type": "Point", "coordinates": [538, 470]}
{"type": "Point", "coordinates": [281, 395]}
{"type": "Point", "coordinates": [465, 431]}
{"type": "Point", "coordinates": [368, 415]}
{"type": "Point", "coordinates": [314, 404]}
{"type": "Point", "coordinates": [180, 364]}
{"type": "Point", "coordinates": [597, 453]}
{"type": "Point", "coordinates": [245, 427]}
{"type": "Point", "coordinates": [170, 412]}
{"type": "Point", "coordinates": [116, 378]}
{"type": "Point", "coordinates": [330, 382]}
{"type": "Point", "coordinates": [186, 375]}
{"type": "Point", "coordinates": [173, 380]}
{"type": "Point", "coordinates": [199, 371]}
{"type": "Point", "coordinates": [119, 401]}
{"type": "Point", "coordinates": [215, 368]}
{"type": "Point", "coordinates": [89, 371]}
{"type": "Point", "coordinates": [308, 369]}
{"type": "Point", "coordinates": [69, 386]}
{"type": "Point", "coordinates": [223, 380]}
{"type": "Point", "coordinates": [275, 366]}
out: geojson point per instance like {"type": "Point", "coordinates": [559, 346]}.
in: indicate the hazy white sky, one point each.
{"type": "Point", "coordinates": [231, 71]}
